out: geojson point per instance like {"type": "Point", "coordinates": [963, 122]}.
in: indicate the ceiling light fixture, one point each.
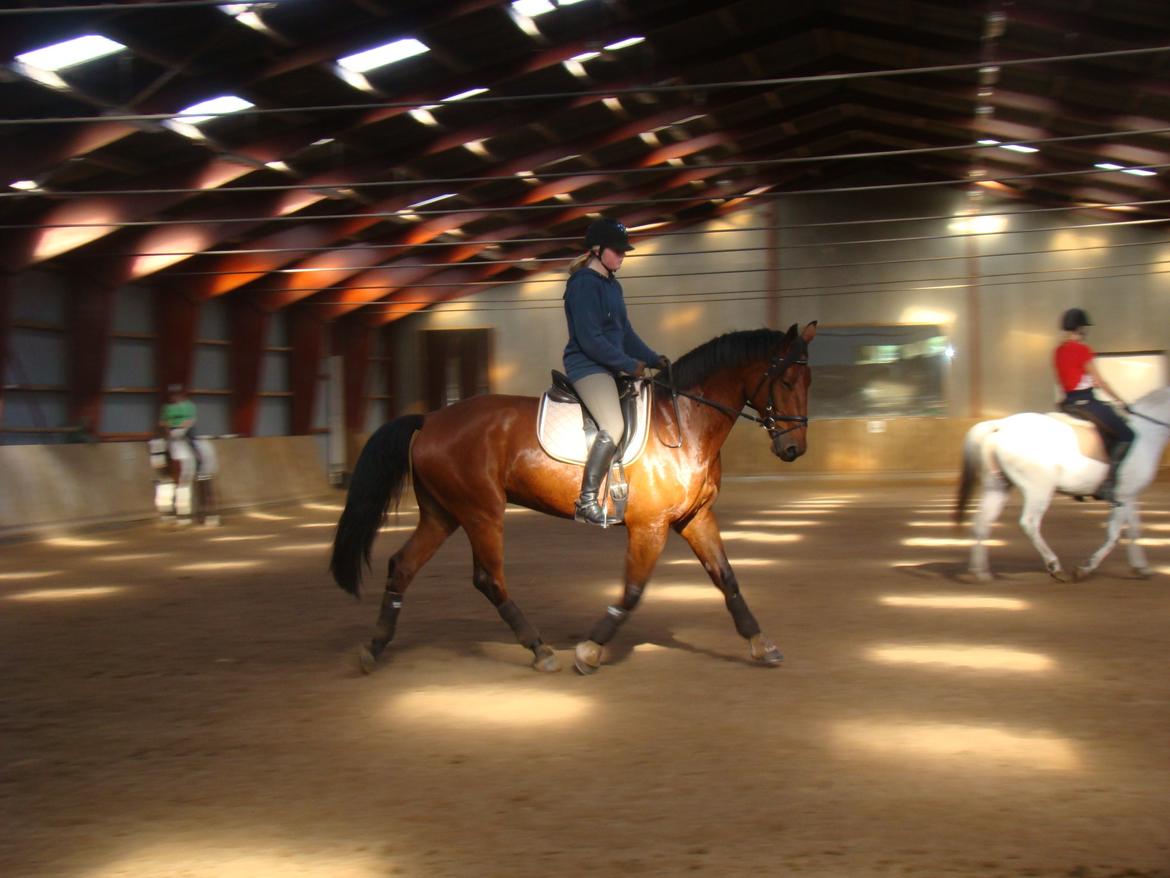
{"type": "Point", "coordinates": [433, 199]}
{"type": "Point", "coordinates": [624, 44]}
{"type": "Point", "coordinates": [196, 114]}
{"type": "Point", "coordinates": [380, 56]}
{"type": "Point", "coordinates": [24, 185]}
{"type": "Point", "coordinates": [61, 56]}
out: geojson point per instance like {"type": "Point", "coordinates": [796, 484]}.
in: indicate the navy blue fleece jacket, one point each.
{"type": "Point", "coordinates": [600, 336]}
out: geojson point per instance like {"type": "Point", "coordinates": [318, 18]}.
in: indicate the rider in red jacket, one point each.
{"type": "Point", "coordinates": [1078, 375]}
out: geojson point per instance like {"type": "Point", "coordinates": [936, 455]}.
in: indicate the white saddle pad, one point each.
{"type": "Point", "coordinates": [562, 436]}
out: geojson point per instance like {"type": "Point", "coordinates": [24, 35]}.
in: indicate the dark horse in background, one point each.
{"type": "Point", "coordinates": [473, 457]}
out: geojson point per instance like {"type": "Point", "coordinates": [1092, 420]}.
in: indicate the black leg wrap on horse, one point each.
{"type": "Point", "coordinates": [604, 630]}
{"type": "Point", "coordinates": [387, 620]}
{"type": "Point", "coordinates": [520, 626]}
{"type": "Point", "coordinates": [745, 622]}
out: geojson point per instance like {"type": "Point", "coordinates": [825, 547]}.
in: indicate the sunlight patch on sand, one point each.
{"type": "Point", "coordinates": [936, 542]}
{"type": "Point", "coordinates": [217, 565]}
{"type": "Point", "coordinates": [968, 746]}
{"type": "Point", "coordinates": [735, 562]}
{"type": "Point", "coordinates": [954, 602]}
{"type": "Point", "coordinates": [977, 658]}
{"type": "Point", "coordinates": [65, 594]}
{"type": "Point", "coordinates": [777, 522]}
{"type": "Point", "coordinates": [79, 542]}
{"type": "Point", "coordinates": [230, 860]}
{"type": "Point", "coordinates": [22, 575]}
{"type": "Point", "coordinates": [299, 547]}
{"type": "Point", "coordinates": [757, 536]}
{"type": "Point", "coordinates": [132, 556]}
{"type": "Point", "coordinates": [505, 706]}
{"type": "Point", "coordinates": [268, 516]}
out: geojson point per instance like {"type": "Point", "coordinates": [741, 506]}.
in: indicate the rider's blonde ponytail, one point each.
{"type": "Point", "coordinates": [579, 262]}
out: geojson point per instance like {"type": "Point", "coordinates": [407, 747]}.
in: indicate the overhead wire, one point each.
{"type": "Point", "coordinates": [334, 187]}
{"type": "Point", "coordinates": [639, 89]}
{"type": "Point", "coordinates": [730, 196]}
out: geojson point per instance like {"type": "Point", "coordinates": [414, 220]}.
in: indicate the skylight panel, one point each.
{"type": "Point", "coordinates": [380, 56]}
{"type": "Point", "coordinates": [24, 185]}
{"type": "Point", "coordinates": [624, 44]}
{"type": "Point", "coordinates": [1137, 172]}
{"type": "Point", "coordinates": [532, 8]}
{"type": "Point", "coordinates": [209, 109]}
{"type": "Point", "coordinates": [61, 56]}
{"type": "Point", "coordinates": [432, 200]}
{"type": "Point", "coordinates": [463, 95]}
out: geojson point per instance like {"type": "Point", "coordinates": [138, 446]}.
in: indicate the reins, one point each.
{"type": "Point", "coordinates": [1146, 417]}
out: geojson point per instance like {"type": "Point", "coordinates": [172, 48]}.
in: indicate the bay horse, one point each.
{"type": "Point", "coordinates": [184, 492]}
{"type": "Point", "coordinates": [1039, 454]}
{"type": "Point", "coordinates": [473, 457]}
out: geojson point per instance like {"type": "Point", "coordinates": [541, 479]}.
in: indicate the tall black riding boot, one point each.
{"type": "Point", "coordinates": [1116, 456]}
{"type": "Point", "coordinates": [596, 466]}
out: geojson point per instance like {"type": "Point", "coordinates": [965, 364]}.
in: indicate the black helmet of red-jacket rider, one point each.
{"type": "Point", "coordinates": [1073, 319]}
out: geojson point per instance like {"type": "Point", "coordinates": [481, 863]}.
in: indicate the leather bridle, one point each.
{"type": "Point", "coordinates": [769, 417]}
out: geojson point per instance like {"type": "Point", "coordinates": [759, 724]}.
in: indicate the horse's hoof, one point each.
{"type": "Point", "coordinates": [1142, 572]}
{"type": "Point", "coordinates": [587, 657]}
{"type": "Point", "coordinates": [1082, 573]}
{"type": "Point", "coordinates": [546, 660]}
{"type": "Point", "coordinates": [366, 660]}
{"type": "Point", "coordinates": [765, 652]}
{"type": "Point", "coordinates": [1057, 573]}
{"type": "Point", "coordinates": [211, 521]}
{"type": "Point", "coordinates": [982, 575]}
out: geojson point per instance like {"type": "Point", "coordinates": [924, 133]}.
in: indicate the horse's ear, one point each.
{"type": "Point", "coordinates": [809, 332]}
{"type": "Point", "coordinates": [791, 333]}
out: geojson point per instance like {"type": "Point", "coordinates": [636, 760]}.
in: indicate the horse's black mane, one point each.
{"type": "Point", "coordinates": [730, 350]}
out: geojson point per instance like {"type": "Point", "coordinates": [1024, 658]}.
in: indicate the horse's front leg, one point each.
{"type": "Point", "coordinates": [702, 534]}
{"type": "Point", "coordinates": [642, 551]}
{"type": "Point", "coordinates": [1119, 516]}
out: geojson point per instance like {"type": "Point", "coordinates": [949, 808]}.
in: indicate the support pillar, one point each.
{"type": "Point", "coordinates": [307, 336]}
{"type": "Point", "coordinates": [91, 310]}
{"type": "Point", "coordinates": [5, 333]}
{"type": "Point", "coordinates": [352, 338]}
{"type": "Point", "coordinates": [247, 327]}
{"type": "Point", "coordinates": [772, 257]}
{"type": "Point", "coordinates": [176, 321]}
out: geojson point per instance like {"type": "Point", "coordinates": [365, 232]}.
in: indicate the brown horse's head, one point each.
{"type": "Point", "coordinates": [779, 393]}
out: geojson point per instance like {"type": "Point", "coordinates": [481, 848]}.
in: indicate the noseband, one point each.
{"type": "Point", "coordinates": [796, 355]}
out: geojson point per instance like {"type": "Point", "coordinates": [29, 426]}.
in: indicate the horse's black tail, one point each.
{"type": "Point", "coordinates": [972, 459]}
{"type": "Point", "coordinates": [377, 482]}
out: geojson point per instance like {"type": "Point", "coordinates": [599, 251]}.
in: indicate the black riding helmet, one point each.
{"type": "Point", "coordinates": [607, 233]}
{"type": "Point", "coordinates": [1073, 319]}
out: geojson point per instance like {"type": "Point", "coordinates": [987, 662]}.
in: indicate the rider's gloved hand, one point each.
{"type": "Point", "coordinates": [663, 362]}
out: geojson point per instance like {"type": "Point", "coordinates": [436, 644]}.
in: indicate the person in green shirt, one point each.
{"type": "Point", "coordinates": [178, 419]}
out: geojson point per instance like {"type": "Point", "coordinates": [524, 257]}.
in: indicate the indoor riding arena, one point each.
{"type": "Point", "coordinates": [283, 283]}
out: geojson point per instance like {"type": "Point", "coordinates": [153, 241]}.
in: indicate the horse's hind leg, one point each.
{"type": "Point", "coordinates": [990, 506]}
{"type": "Point", "coordinates": [434, 526]}
{"type": "Point", "coordinates": [644, 546]}
{"type": "Point", "coordinates": [487, 546]}
{"type": "Point", "coordinates": [1036, 502]}
{"type": "Point", "coordinates": [702, 534]}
